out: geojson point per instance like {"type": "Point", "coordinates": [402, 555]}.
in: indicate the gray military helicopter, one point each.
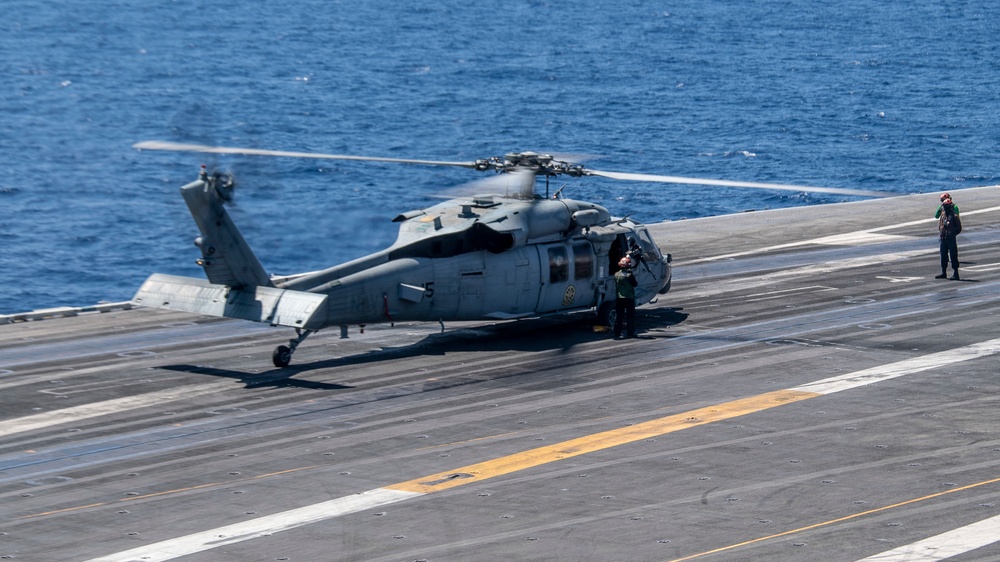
{"type": "Point", "coordinates": [495, 256]}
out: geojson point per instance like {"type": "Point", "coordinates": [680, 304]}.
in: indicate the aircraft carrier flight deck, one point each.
{"type": "Point", "coordinates": [807, 390]}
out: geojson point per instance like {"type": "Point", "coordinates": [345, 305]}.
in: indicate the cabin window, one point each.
{"type": "Point", "coordinates": [558, 265]}
{"type": "Point", "coordinates": [583, 262]}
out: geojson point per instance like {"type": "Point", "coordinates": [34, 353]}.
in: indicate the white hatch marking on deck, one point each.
{"type": "Point", "coordinates": [898, 279]}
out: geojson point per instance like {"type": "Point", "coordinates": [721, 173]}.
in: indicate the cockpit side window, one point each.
{"type": "Point", "coordinates": [646, 241]}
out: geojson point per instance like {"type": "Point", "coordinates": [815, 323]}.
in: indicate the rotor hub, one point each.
{"type": "Point", "coordinates": [539, 164]}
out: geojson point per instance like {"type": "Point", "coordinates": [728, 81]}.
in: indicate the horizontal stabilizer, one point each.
{"type": "Point", "coordinates": [278, 307]}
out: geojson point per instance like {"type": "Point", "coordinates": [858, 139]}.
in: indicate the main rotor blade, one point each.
{"type": "Point", "coordinates": [182, 147]}
{"type": "Point", "coordinates": [726, 183]}
{"type": "Point", "coordinates": [501, 165]}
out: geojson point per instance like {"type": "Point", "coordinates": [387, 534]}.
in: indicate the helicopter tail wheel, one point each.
{"type": "Point", "coordinates": [282, 356]}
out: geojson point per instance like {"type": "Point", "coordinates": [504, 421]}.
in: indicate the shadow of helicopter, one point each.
{"type": "Point", "coordinates": [554, 333]}
{"type": "Point", "coordinates": [256, 380]}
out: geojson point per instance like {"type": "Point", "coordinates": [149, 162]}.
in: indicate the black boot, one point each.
{"type": "Point", "coordinates": [955, 276]}
{"type": "Point", "coordinates": [944, 275]}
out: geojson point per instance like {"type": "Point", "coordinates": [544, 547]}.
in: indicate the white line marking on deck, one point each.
{"type": "Point", "coordinates": [945, 545]}
{"type": "Point", "coordinates": [86, 411]}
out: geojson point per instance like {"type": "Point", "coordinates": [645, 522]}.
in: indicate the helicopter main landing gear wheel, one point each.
{"type": "Point", "coordinates": [282, 355]}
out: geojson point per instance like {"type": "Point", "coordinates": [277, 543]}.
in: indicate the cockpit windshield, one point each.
{"type": "Point", "coordinates": [646, 241]}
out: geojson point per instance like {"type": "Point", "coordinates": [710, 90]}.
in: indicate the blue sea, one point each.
{"type": "Point", "coordinates": [893, 96]}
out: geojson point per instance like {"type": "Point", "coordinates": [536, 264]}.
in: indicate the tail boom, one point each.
{"type": "Point", "coordinates": [278, 307]}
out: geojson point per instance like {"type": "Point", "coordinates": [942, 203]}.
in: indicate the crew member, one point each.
{"type": "Point", "coordinates": [625, 284]}
{"type": "Point", "coordinates": [949, 225]}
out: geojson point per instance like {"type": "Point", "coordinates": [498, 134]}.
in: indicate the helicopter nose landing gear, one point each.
{"type": "Point", "coordinates": [282, 355]}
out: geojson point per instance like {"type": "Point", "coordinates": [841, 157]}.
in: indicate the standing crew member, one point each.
{"type": "Point", "coordinates": [625, 284]}
{"type": "Point", "coordinates": [949, 225]}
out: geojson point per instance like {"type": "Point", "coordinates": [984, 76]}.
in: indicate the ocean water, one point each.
{"type": "Point", "coordinates": [893, 96]}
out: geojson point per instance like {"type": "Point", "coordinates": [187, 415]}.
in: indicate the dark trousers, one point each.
{"type": "Point", "coordinates": [949, 248]}
{"type": "Point", "coordinates": [625, 310]}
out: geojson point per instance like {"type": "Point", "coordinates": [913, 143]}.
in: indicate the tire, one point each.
{"type": "Point", "coordinates": [282, 356]}
{"type": "Point", "coordinates": [666, 287]}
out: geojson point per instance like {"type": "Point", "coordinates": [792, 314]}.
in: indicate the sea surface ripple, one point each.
{"type": "Point", "coordinates": [892, 96]}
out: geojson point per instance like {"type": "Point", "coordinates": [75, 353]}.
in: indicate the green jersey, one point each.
{"type": "Point", "coordinates": [625, 284]}
{"type": "Point", "coordinates": [940, 210]}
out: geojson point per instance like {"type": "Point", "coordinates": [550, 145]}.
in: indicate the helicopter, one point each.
{"type": "Point", "coordinates": [486, 257]}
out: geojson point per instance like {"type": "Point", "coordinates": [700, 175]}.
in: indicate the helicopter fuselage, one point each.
{"type": "Point", "coordinates": [493, 257]}
{"type": "Point", "coordinates": [532, 280]}
{"type": "Point", "coordinates": [488, 257]}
